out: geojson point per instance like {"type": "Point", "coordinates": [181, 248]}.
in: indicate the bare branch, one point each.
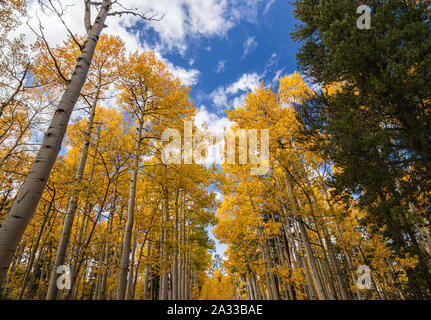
{"type": "Point", "coordinates": [43, 38]}
{"type": "Point", "coordinates": [17, 90]}
{"type": "Point", "coordinates": [146, 15]}
{"type": "Point", "coordinates": [60, 14]}
{"type": "Point", "coordinates": [87, 16]}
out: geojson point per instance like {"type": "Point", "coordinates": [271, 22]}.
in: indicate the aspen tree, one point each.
{"type": "Point", "coordinates": [28, 197]}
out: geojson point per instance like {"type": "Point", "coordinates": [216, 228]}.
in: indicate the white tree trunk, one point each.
{"type": "Point", "coordinates": [13, 227]}
{"type": "Point", "coordinates": [125, 251]}
{"type": "Point", "coordinates": [71, 206]}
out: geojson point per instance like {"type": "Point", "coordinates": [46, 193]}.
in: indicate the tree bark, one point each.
{"type": "Point", "coordinates": [12, 229]}
{"type": "Point", "coordinates": [175, 257]}
{"type": "Point", "coordinates": [125, 252]}
{"type": "Point", "coordinates": [72, 205]}
{"type": "Point", "coordinates": [307, 246]}
{"type": "Point", "coordinates": [36, 246]}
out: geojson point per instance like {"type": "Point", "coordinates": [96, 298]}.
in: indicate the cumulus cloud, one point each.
{"type": "Point", "coordinates": [185, 19]}
{"type": "Point", "coordinates": [125, 27]}
{"type": "Point", "coordinates": [188, 77]}
{"type": "Point", "coordinates": [216, 124]}
{"type": "Point", "coordinates": [233, 95]}
{"type": "Point", "coordinates": [248, 81]}
{"type": "Point", "coordinates": [220, 97]}
{"type": "Point", "coordinates": [182, 21]}
{"type": "Point", "coordinates": [238, 101]}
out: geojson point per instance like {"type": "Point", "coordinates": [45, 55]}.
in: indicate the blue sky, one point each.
{"type": "Point", "coordinates": [259, 47]}
{"type": "Point", "coordinates": [229, 65]}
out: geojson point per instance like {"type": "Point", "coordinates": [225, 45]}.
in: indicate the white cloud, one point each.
{"type": "Point", "coordinates": [216, 124]}
{"type": "Point", "coordinates": [188, 77]}
{"type": "Point", "coordinates": [227, 97]}
{"type": "Point", "coordinates": [219, 97]}
{"type": "Point", "coordinates": [245, 10]}
{"type": "Point", "coordinates": [276, 77]}
{"type": "Point", "coordinates": [249, 45]}
{"type": "Point", "coordinates": [185, 19]}
{"type": "Point", "coordinates": [268, 5]}
{"type": "Point", "coordinates": [248, 81]}
{"type": "Point", "coordinates": [116, 26]}
{"type": "Point", "coordinates": [182, 20]}
{"type": "Point", "coordinates": [239, 101]}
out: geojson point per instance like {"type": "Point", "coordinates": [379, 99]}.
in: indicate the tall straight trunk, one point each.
{"type": "Point", "coordinates": [36, 247]}
{"type": "Point", "coordinates": [175, 257]}
{"type": "Point", "coordinates": [88, 207]}
{"type": "Point", "coordinates": [135, 278]}
{"type": "Point", "coordinates": [182, 249]}
{"type": "Point", "coordinates": [187, 262]}
{"type": "Point", "coordinates": [290, 247]}
{"type": "Point", "coordinates": [164, 282]}
{"type": "Point", "coordinates": [107, 243]}
{"type": "Point", "coordinates": [13, 227]}
{"type": "Point", "coordinates": [96, 288]}
{"type": "Point", "coordinates": [148, 273]}
{"type": "Point", "coordinates": [327, 281]}
{"type": "Point", "coordinates": [45, 267]}
{"type": "Point", "coordinates": [125, 252]}
{"type": "Point", "coordinates": [161, 293]}
{"type": "Point", "coordinates": [47, 231]}
{"type": "Point", "coordinates": [131, 271]}
{"type": "Point", "coordinates": [85, 245]}
{"type": "Point", "coordinates": [250, 290]}
{"type": "Point", "coordinates": [188, 270]}
{"type": "Point", "coordinates": [307, 246]}
{"type": "Point", "coordinates": [338, 274]}
{"type": "Point", "coordinates": [272, 287]}
{"type": "Point", "coordinates": [16, 259]}
{"type": "Point", "coordinates": [72, 205]}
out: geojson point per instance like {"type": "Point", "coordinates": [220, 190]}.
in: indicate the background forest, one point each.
{"type": "Point", "coordinates": [88, 209]}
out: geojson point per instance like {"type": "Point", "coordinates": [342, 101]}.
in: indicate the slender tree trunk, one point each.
{"type": "Point", "coordinates": [338, 274]}
{"type": "Point", "coordinates": [181, 251]}
{"type": "Point", "coordinates": [175, 257]}
{"type": "Point", "coordinates": [135, 278]}
{"type": "Point", "coordinates": [13, 227]}
{"type": "Point", "coordinates": [45, 267]}
{"type": "Point", "coordinates": [125, 252]}
{"type": "Point", "coordinates": [148, 273]}
{"type": "Point", "coordinates": [33, 253]}
{"type": "Point", "coordinates": [307, 246]}
{"type": "Point", "coordinates": [164, 282]}
{"type": "Point", "coordinates": [131, 271]}
{"type": "Point", "coordinates": [72, 206]}
{"type": "Point", "coordinates": [107, 243]}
